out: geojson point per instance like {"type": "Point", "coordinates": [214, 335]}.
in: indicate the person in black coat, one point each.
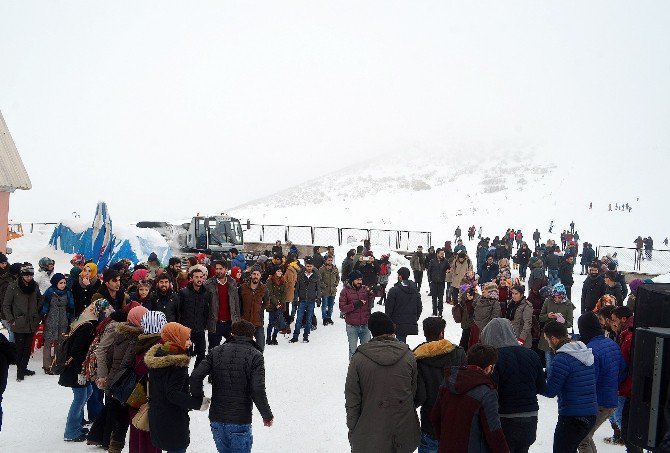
{"type": "Point", "coordinates": [83, 288]}
{"type": "Point", "coordinates": [7, 357]}
{"type": "Point", "coordinates": [565, 271]}
{"type": "Point", "coordinates": [437, 276]}
{"type": "Point", "coordinates": [432, 357]}
{"type": "Point", "coordinates": [347, 265]}
{"type": "Point", "coordinates": [519, 377]}
{"type": "Point", "coordinates": [164, 299]}
{"type": "Point", "coordinates": [403, 305]}
{"type": "Point", "coordinates": [237, 371]}
{"type": "Point", "coordinates": [193, 311]}
{"type": "Point", "coordinates": [78, 341]}
{"type": "Point", "coordinates": [619, 279]}
{"type": "Point", "coordinates": [593, 289]}
{"type": "Point", "coordinates": [613, 287]}
{"type": "Point", "coordinates": [168, 389]}
{"type": "Point", "coordinates": [489, 272]}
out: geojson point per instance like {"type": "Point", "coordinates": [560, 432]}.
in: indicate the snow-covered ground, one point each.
{"type": "Point", "coordinates": [495, 187]}
{"type": "Point", "coordinates": [305, 384]}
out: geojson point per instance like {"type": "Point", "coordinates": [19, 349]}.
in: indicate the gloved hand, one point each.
{"type": "Point", "coordinates": [205, 403]}
{"type": "Point", "coordinates": [358, 304]}
{"type": "Point", "coordinates": [81, 379]}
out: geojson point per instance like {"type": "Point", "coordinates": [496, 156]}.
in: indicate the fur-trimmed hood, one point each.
{"type": "Point", "coordinates": [145, 341]}
{"type": "Point", "coordinates": [160, 358]}
{"type": "Point", "coordinates": [433, 349]}
{"type": "Point", "coordinates": [123, 328]}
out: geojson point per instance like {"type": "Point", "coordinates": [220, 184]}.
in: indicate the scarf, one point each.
{"type": "Point", "coordinates": [27, 288]}
{"type": "Point", "coordinates": [95, 311]}
{"type": "Point", "coordinates": [277, 281]}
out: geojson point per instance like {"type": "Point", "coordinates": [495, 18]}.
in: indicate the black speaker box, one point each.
{"type": "Point", "coordinates": [649, 412]}
{"type": "Point", "coordinates": [652, 307]}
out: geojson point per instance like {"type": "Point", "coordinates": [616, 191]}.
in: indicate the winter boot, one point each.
{"type": "Point", "coordinates": [293, 340]}
{"type": "Point", "coordinates": [268, 341]}
{"type": "Point", "coordinates": [115, 446]}
{"type": "Point", "coordinates": [274, 339]}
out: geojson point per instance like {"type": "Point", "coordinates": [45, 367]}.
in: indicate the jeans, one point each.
{"type": "Point", "coordinates": [520, 432]}
{"type": "Point", "coordinates": [587, 445]}
{"type": "Point", "coordinates": [522, 270]}
{"type": "Point", "coordinates": [327, 303]}
{"type": "Point", "coordinates": [75, 416]}
{"type": "Point", "coordinates": [94, 405]}
{"type": "Point", "coordinates": [223, 329]}
{"type": "Point", "coordinates": [418, 278]}
{"type": "Point", "coordinates": [585, 268]}
{"type": "Point", "coordinates": [402, 338]}
{"type": "Point", "coordinates": [548, 356]}
{"type": "Point", "coordinates": [355, 333]}
{"type": "Point", "coordinates": [305, 312]}
{"type": "Point", "coordinates": [10, 334]}
{"type": "Point", "coordinates": [553, 277]}
{"type": "Point", "coordinates": [259, 336]}
{"type": "Point", "coordinates": [428, 444]}
{"type": "Point", "coordinates": [199, 346]}
{"type": "Point", "coordinates": [232, 438]}
{"type": "Point", "coordinates": [437, 292]}
{"type": "Point", "coordinates": [618, 412]}
{"type": "Point", "coordinates": [276, 322]}
{"type": "Point", "coordinates": [570, 431]}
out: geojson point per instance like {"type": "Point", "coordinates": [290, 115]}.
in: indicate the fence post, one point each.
{"type": "Point", "coordinates": [312, 232]}
{"type": "Point", "coordinates": [286, 233]}
{"type": "Point", "coordinates": [262, 233]}
{"type": "Point", "coordinates": [32, 226]}
{"type": "Point", "coordinates": [339, 236]}
{"type": "Point", "coordinates": [430, 239]}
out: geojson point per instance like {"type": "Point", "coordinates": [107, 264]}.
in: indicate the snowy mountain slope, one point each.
{"type": "Point", "coordinates": [498, 189]}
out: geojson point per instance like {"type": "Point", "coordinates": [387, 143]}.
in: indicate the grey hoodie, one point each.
{"type": "Point", "coordinates": [579, 351]}
{"type": "Point", "coordinates": [499, 333]}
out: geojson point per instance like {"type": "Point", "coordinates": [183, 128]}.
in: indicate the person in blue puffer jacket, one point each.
{"type": "Point", "coordinates": [610, 370]}
{"type": "Point", "coordinates": [572, 377]}
{"type": "Point", "coordinates": [237, 259]}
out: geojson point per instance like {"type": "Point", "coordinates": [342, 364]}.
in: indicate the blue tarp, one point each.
{"type": "Point", "coordinates": [99, 243]}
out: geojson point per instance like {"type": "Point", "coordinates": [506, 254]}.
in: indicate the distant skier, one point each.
{"type": "Point", "coordinates": [666, 242]}
{"type": "Point", "coordinates": [610, 207]}
{"type": "Point", "coordinates": [591, 205]}
{"type": "Point", "coordinates": [551, 226]}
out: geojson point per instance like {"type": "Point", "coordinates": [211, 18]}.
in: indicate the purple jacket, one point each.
{"type": "Point", "coordinates": [348, 297]}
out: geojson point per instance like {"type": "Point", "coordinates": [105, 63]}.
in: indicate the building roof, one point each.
{"type": "Point", "coordinates": [13, 174]}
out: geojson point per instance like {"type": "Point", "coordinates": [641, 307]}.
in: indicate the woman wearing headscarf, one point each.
{"type": "Point", "coordinates": [119, 358]}
{"type": "Point", "coordinates": [152, 323]}
{"type": "Point", "coordinates": [57, 312]}
{"type": "Point", "coordinates": [486, 308]}
{"type": "Point", "coordinates": [557, 307]}
{"type": "Point", "coordinates": [519, 378]}
{"type": "Point", "coordinates": [169, 387]}
{"type": "Point", "coordinates": [85, 286]}
{"type": "Point", "coordinates": [80, 338]}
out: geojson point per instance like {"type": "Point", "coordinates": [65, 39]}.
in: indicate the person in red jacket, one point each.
{"type": "Point", "coordinates": [465, 416]}
{"type": "Point", "coordinates": [622, 322]}
{"type": "Point", "coordinates": [356, 301]}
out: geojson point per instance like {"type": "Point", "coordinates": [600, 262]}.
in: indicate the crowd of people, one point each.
{"type": "Point", "coordinates": [118, 335]}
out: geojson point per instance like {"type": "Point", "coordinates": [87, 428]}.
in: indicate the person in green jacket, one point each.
{"type": "Point", "coordinates": [555, 308]}
{"type": "Point", "coordinates": [330, 278]}
{"type": "Point", "coordinates": [21, 309]}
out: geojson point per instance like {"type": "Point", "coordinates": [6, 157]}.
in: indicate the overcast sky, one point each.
{"type": "Point", "coordinates": [165, 108]}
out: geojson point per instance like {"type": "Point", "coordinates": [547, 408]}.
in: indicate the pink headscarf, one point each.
{"type": "Point", "coordinates": [135, 315]}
